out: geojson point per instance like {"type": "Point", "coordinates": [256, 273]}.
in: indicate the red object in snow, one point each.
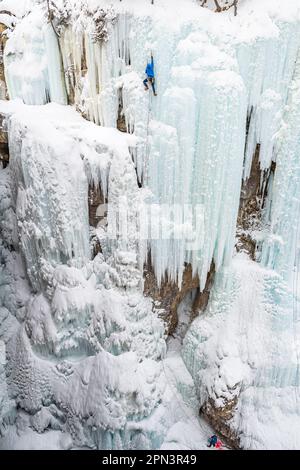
{"type": "Point", "coordinates": [219, 445]}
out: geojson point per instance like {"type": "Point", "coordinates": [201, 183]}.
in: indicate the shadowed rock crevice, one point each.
{"type": "Point", "coordinates": [202, 297]}
{"type": "Point", "coordinates": [252, 201]}
{"type": "Point", "coordinates": [121, 121]}
{"type": "Point", "coordinates": [3, 39]}
{"type": "Point", "coordinates": [218, 417]}
{"type": "Point", "coordinates": [168, 296]}
{"type": "Point", "coordinates": [97, 215]}
{"type": "Point", "coordinates": [4, 153]}
{"type": "Point", "coordinates": [96, 199]}
{"type": "Point", "coordinates": [4, 150]}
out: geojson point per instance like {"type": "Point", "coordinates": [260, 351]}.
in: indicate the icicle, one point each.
{"type": "Point", "coordinates": [281, 247]}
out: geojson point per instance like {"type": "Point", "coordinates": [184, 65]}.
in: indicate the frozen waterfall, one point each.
{"type": "Point", "coordinates": [83, 352]}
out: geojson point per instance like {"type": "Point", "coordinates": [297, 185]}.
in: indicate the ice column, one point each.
{"type": "Point", "coordinates": [196, 154]}
{"type": "Point", "coordinates": [281, 247]}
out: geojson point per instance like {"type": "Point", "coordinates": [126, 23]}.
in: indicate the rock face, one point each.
{"type": "Point", "coordinates": [4, 153]}
{"type": "Point", "coordinates": [3, 89]}
{"type": "Point", "coordinates": [202, 297]}
{"type": "Point", "coordinates": [97, 214]}
{"type": "Point", "coordinates": [219, 418]}
{"type": "Point", "coordinates": [96, 199]}
{"type": "Point", "coordinates": [252, 200]}
{"type": "Point", "coordinates": [168, 296]}
{"type": "Point", "coordinates": [121, 122]}
{"type": "Point", "coordinates": [249, 209]}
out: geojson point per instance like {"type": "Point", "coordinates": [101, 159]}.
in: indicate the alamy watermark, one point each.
{"type": "Point", "coordinates": [153, 222]}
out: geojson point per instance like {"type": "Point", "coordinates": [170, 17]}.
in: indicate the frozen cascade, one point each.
{"type": "Point", "coordinates": [32, 62]}
{"type": "Point", "coordinates": [82, 322]}
{"type": "Point", "coordinates": [280, 249]}
{"type": "Point", "coordinates": [243, 352]}
{"type": "Point", "coordinates": [246, 346]}
{"type": "Point", "coordinates": [59, 229]}
{"type": "Point", "coordinates": [79, 321]}
{"type": "Point", "coordinates": [85, 355]}
{"type": "Point", "coordinates": [216, 107]}
{"type": "Point", "coordinates": [199, 75]}
{"type": "Point", "coordinates": [267, 75]}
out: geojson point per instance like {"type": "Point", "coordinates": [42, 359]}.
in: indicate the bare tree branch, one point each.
{"type": "Point", "coordinates": [220, 8]}
{"type": "Point", "coordinates": [6, 12]}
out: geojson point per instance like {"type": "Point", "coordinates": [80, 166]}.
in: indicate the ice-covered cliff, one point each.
{"type": "Point", "coordinates": [201, 187]}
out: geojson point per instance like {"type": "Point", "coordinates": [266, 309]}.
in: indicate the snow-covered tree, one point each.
{"type": "Point", "coordinates": [59, 12]}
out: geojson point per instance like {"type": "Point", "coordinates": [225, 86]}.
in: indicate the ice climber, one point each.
{"type": "Point", "coordinates": [150, 76]}
{"type": "Point", "coordinates": [212, 441]}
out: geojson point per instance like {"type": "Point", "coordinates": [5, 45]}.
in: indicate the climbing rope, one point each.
{"type": "Point", "coordinates": [51, 18]}
{"type": "Point", "coordinates": [63, 71]}
{"type": "Point", "coordinates": [147, 149]}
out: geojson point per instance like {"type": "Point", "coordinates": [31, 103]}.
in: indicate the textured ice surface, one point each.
{"type": "Point", "coordinates": [32, 62]}
{"type": "Point", "coordinates": [211, 74]}
{"type": "Point", "coordinates": [247, 345]}
{"type": "Point", "coordinates": [85, 356]}
{"type": "Point", "coordinates": [77, 332]}
{"type": "Point", "coordinates": [83, 349]}
{"type": "Point", "coordinates": [7, 406]}
{"type": "Point", "coordinates": [281, 246]}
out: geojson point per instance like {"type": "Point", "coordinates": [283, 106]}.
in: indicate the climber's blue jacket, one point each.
{"type": "Point", "coordinates": [150, 69]}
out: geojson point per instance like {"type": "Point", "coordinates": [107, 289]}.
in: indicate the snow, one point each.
{"type": "Point", "coordinates": [246, 345]}
{"type": "Point", "coordinates": [83, 350]}
{"type": "Point", "coordinates": [102, 339]}
{"type": "Point", "coordinates": [7, 406]}
{"type": "Point", "coordinates": [17, 7]}
{"type": "Point", "coordinates": [212, 70]}
{"type": "Point", "coordinates": [7, 20]}
{"type": "Point", "coordinates": [20, 436]}
{"type": "Point", "coordinates": [26, 68]}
